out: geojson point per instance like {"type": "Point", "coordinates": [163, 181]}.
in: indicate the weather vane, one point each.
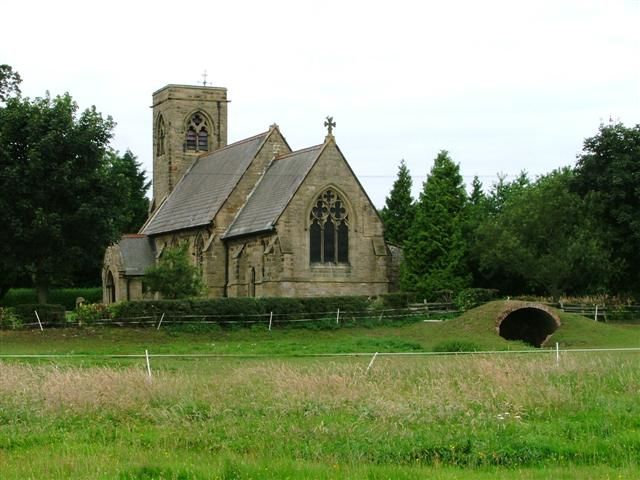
{"type": "Point", "coordinates": [330, 124]}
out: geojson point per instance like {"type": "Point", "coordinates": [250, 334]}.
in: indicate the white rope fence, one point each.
{"type": "Point", "coordinates": [554, 351]}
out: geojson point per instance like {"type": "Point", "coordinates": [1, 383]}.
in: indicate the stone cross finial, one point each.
{"type": "Point", "coordinates": [330, 124]}
{"type": "Point", "coordinates": [204, 79]}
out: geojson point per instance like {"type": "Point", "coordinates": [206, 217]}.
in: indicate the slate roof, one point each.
{"type": "Point", "coordinates": [205, 186]}
{"type": "Point", "coordinates": [273, 192]}
{"type": "Point", "coordinates": [137, 253]}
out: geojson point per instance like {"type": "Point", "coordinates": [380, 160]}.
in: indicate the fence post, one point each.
{"type": "Point", "coordinates": [270, 320]}
{"type": "Point", "coordinates": [160, 322]}
{"type": "Point", "coordinates": [371, 362]}
{"type": "Point", "coordinates": [595, 317]}
{"type": "Point", "coordinates": [146, 354]}
{"type": "Point", "coordinates": [39, 322]}
{"type": "Point", "coordinates": [557, 354]}
{"type": "Point", "coordinates": [338, 317]}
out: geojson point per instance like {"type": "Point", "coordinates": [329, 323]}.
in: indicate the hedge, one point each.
{"type": "Point", "coordinates": [58, 296]}
{"type": "Point", "coordinates": [48, 313]}
{"type": "Point", "coordinates": [233, 309]}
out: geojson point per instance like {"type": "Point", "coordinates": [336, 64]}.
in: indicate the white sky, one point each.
{"type": "Point", "coordinates": [504, 85]}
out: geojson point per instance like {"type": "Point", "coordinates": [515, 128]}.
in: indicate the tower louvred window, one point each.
{"type": "Point", "coordinates": [197, 137]}
{"type": "Point", "coordinates": [329, 230]}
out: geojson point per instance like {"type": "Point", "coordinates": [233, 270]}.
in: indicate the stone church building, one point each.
{"type": "Point", "coordinates": [260, 218]}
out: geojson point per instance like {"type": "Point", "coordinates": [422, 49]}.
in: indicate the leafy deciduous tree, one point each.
{"type": "Point", "coordinates": [55, 193]}
{"type": "Point", "coordinates": [174, 276]}
{"type": "Point", "coordinates": [9, 82]}
{"type": "Point", "coordinates": [608, 178]}
{"type": "Point", "coordinates": [543, 236]}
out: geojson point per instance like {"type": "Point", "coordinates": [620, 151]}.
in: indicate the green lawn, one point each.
{"type": "Point", "coordinates": [286, 415]}
{"type": "Point", "coordinates": [475, 327]}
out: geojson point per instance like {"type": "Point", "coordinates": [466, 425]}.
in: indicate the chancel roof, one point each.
{"type": "Point", "coordinates": [205, 186]}
{"type": "Point", "coordinates": [273, 192]}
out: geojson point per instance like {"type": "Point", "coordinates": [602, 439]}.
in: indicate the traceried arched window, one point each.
{"type": "Point", "coordinates": [160, 136]}
{"type": "Point", "coordinates": [197, 136]}
{"type": "Point", "coordinates": [329, 229]}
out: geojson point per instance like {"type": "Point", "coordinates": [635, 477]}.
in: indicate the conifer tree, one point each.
{"type": "Point", "coordinates": [399, 210]}
{"type": "Point", "coordinates": [434, 254]}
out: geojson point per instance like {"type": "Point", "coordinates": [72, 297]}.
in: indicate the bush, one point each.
{"type": "Point", "coordinates": [456, 346]}
{"type": "Point", "coordinates": [8, 318]}
{"type": "Point", "coordinates": [92, 312]}
{"type": "Point", "coordinates": [48, 313]}
{"type": "Point", "coordinates": [472, 297]}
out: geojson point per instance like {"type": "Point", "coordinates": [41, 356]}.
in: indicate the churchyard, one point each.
{"type": "Point", "coordinates": [297, 403]}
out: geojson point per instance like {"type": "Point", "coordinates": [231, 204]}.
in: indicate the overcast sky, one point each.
{"type": "Point", "coordinates": [504, 86]}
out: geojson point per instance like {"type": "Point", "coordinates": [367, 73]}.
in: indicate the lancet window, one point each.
{"type": "Point", "coordinates": [160, 137]}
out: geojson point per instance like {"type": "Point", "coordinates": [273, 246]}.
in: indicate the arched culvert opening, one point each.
{"type": "Point", "coordinates": [532, 324]}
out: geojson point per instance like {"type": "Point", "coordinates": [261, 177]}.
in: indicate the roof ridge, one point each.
{"type": "Point", "coordinates": [302, 150]}
{"type": "Point", "coordinates": [234, 144]}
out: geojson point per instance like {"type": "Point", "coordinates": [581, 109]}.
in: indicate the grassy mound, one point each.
{"type": "Point", "coordinates": [478, 326]}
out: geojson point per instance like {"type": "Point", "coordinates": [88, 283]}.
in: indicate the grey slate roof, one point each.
{"type": "Point", "coordinates": [273, 192]}
{"type": "Point", "coordinates": [203, 189]}
{"type": "Point", "coordinates": [137, 253]}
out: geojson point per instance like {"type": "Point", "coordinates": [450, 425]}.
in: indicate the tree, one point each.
{"type": "Point", "coordinates": [398, 212]}
{"type": "Point", "coordinates": [9, 82]}
{"type": "Point", "coordinates": [434, 253]}
{"type": "Point", "coordinates": [607, 177]}
{"type": "Point", "coordinates": [56, 196]}
{"type": "Point", "coordinates": [477, 210]}
{"type": "Point", "coordinates": [131, 183]}
{"type": "Point", "coordinates": [174, 276]}
{"type": "Point", "coordinates": [543, 238]}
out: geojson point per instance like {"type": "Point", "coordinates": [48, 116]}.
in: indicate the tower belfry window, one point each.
{"type": "Point", "coordinates": [197, 136]}
{"type": "Point", "coordinates": [329, 230]}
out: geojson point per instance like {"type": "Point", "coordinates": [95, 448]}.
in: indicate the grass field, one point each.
{"type": "Point", "coordinates": [448, 417]}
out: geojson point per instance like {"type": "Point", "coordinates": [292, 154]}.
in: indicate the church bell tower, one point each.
{"type": "Point", "coordinates": [188, 121]}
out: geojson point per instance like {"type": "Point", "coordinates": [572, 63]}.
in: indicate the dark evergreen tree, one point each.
{"type": "Point", "coordinates": [398, 212]}
{"type": "Point", "coordinates": [476, 212]}
{"type": "Point", "coordinates": [434, 254]}
{"type": "Point", "coordinates": [131, 183]}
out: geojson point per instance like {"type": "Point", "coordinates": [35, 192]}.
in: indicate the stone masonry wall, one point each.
{"type": "Point", "coordinates": [176, 104]}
